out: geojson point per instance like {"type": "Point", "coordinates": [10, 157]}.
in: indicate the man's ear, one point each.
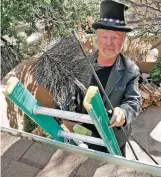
{"type": "Point", "coordinates": [124, 36]}
{"type": "Point", "coordinates": [125, 44]}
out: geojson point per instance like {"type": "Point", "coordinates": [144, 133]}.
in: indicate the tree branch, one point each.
{"type": "Point", "coordinates": [156, 45]}
{"type": "Point", "coordinates": [143, 5]}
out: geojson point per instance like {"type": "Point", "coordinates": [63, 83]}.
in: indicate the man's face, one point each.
{"type": "Point", "coordinates": [110, 42]}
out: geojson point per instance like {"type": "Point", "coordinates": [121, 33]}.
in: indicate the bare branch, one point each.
{"type": "Point", "coordinates": [156, 45]}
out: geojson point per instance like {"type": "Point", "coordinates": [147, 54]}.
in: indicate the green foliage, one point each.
{"type": "Point", "coordinates": [58, 17]}
{"type": "Point", "coordinates": [11, 12]}
{"type": "Point", "coordinates": [156, 73]}
{"type": "Point", "coordinates": [61, 16]}
{"type": "Point", "coordinates": [29, 125]}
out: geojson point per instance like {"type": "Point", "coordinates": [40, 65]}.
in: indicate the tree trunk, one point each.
{"type": "Point", "coordinates": [9, 59]}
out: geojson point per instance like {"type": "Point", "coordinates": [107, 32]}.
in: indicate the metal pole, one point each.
{"type": "Point", "coordinates": [63, 114]}
{"type": "Point", "coordinates": [80, 137]}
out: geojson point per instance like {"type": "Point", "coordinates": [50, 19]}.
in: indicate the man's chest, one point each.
{"type": "Point", "coordinates": [103, 75]}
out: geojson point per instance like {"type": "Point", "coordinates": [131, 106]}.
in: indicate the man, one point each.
{"type": "Point", "coordinates": [118, 75]}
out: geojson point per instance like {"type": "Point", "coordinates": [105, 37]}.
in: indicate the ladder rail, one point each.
{"type": "Point", "coordinates": [94, 106]}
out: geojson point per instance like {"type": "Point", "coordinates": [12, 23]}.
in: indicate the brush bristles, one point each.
{"type": "Point", "coordinates": [11, 84]}
{"type": "Point", "coordinates": [57, 68]}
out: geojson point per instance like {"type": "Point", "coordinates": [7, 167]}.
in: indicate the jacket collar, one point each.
{"type": "Point", "coordinates": [119, 64]}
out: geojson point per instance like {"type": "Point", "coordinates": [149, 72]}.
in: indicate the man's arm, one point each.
{"type": "Point", "coordinates": [131, 103]}
{"type": "Point", "coordinates": [130, 107]}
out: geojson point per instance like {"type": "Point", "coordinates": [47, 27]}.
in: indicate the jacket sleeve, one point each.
{"type": "Point", "coordinates": [131, 103]}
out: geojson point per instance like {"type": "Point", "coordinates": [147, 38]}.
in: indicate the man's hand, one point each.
{"type": "Point", "coordinates": [118, 118]}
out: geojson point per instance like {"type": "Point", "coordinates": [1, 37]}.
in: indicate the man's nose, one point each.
{"type": "Point", "coordinates": [109, 42]}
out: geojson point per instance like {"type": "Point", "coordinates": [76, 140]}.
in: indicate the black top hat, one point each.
{"type": "Point", "coordinates": [112, 17]}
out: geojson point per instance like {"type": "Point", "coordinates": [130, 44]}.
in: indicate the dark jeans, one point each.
{"type": "Point", "coordinates": [101, 148]}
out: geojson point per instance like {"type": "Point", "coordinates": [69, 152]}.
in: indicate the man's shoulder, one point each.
{"type": "Point", "coordinates": [130, 66]}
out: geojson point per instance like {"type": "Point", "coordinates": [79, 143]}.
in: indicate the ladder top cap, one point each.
{"type": "Point", "coordinates": [91, 92]}
{"type": "Point", "coordinates": [11, 84]}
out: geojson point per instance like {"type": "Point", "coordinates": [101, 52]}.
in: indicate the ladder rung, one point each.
{"type": "Point", "coordinates": [62, 114]}
{"type": "Point", "coordinates": [80, 137]}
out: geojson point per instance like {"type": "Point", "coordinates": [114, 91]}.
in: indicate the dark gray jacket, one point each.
{"type": "Point", "coordinates": [122, 89]}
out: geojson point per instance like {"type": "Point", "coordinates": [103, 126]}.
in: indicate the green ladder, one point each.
{"type": "Point", "coordinates": [19, 95]}
{"type": "Point", "coordinates": [98, 116]}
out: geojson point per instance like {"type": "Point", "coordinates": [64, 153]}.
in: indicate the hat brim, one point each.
{"type": "Point", "coordinates": [101, 25]}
